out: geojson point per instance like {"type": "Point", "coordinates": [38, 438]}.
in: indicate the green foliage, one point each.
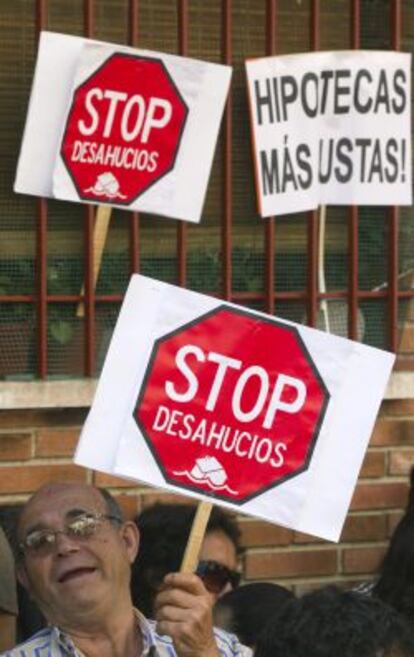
{"type": "Point", "coordinates": [61, 331]}
{"type": "Point", "coordinates": [16, 277]}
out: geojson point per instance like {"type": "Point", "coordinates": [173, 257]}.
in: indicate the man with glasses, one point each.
{"type": "Point", "coordinates": [74, 553]}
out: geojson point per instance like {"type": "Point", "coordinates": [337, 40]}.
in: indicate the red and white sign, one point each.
{"type": "Point", "coordinates": [268, 417]}
{"type": "Point", "coordinates": [133, 128]}
{"type": "Point", "coordinates": [124, 129]}
{"type": "Point", "coordinates": [231, 404]}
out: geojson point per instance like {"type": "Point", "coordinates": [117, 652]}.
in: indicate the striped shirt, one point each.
{"type": "Point", "coordinates": [52, 642]}
{"type": "Point", "coordinates": [366, 588]}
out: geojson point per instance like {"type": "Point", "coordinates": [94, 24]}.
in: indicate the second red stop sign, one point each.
{"type": "Point", "coordinates": [231, 404]}
{"type": "Point", "coordinates": [123, 129]}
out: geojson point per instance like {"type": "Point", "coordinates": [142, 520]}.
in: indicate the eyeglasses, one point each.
{"type": "Point", "coordinates": [216, 576]}
{"type": "Point", "coordinates": [42, 541]}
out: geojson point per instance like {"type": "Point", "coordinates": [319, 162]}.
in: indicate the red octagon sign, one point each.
{"type": "Point", "coordinates": [231, 404]}
{"type": "Point", "coordinates": [124, 129]}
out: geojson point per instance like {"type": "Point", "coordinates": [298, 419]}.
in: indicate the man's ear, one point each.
{"type": "Point", "coordinates": [22, 575]}
{"type": "Point", "coordinates": [130, 536]}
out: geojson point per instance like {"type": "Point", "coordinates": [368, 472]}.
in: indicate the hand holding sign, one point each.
{"type": "Point", "coordinates": [183, 611]}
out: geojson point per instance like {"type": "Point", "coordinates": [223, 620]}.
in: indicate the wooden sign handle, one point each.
{"type": "Point", "coordinates": [321, 266]}
{"type": "Point", "coordinates": [100, 231]}
{"type": "Point", "coordinates": [196, 537]}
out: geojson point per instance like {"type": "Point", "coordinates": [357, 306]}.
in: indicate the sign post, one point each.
{"type": "Point", "coordinates": [121, 136]}
{"type": "Point", "coordinates": [100, 231]}
{"type": "Point", "coordinates": [196, 537]}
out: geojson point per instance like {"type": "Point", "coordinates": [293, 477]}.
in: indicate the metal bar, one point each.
{"type": "Point", "coordinates": [312, 287]}
{"type": "Point", "coordinates": [41, 287]}
{"type": "Point", "coordinates": [227, 218]}
{"type": "Point", "coordinates": [19, 298]}
{"type": "Point", "coordinates": [41, 244]}
{"type": "Point", "coordinates": [377, 293]}
{"type": "Point", "coordinates": [353, 216]}
{"type": "Point", "coordinates": [368, 295]}
{"type": "Point", "coordinates": [133, 22]}
{"type": "Point", "coordinates": [353, 245]}
{"type": "Point", "coordinates": [355, 24]}
{"type": "Point", "coordinates": [89, 221]}
{"type": "Point", "coordinates": [88, 18]}
{"type": "Point", "coordinates": [288, 296]}
{"type": "Point", "coordinates": [270, 221]}
{"type": "Point", "coordinates": [314, 25]}
{"type": "Point", "coordinates": [182, 16]}
{"type": "Point", "coordinates": [134, 254]}
{"type": "Point", "coordinates": [393, 214]}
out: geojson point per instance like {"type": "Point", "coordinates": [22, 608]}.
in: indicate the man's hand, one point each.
{"type": "Point", "coordinates": [183, 611]}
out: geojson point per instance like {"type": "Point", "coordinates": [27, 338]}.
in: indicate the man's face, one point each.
{"type": "Point", "coordinates": [77, 574]}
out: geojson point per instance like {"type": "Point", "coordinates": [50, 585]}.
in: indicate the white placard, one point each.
{"type": "Point", "coordinates": [331, 128]}
{"type": "Point", "coordinates": [64, 64]}
{"type": "Point", "coordinates": [350, 382]}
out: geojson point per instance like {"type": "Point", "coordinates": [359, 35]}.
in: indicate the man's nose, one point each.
{"type": "Point", "coordinates": [65, 543]}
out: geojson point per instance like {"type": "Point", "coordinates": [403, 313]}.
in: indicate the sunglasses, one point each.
{"type": "Point", "coordinates": [43, 541]}
{"type": "Point", "coordinates": [216, 576]}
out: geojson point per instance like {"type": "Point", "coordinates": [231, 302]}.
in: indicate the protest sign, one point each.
{"type": "Point", "coordinates": [131, 128]}
{"type": "Point", "coordinates": [331, 128]}
{"type": "Point", "coordinates": [225, 375]}
{"type": "Point", "coordinates": [254, 412]}
{"type": "Point", "coordinates": [118, 142]}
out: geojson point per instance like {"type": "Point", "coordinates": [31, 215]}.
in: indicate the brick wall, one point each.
{"type": "Point", "coordinates": [37, 446]}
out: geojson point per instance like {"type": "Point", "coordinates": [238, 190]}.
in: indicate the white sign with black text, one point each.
{"type": "Point", "coordinates": [331, 128]}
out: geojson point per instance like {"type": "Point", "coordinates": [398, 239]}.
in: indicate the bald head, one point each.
{"type": "Point", "coordinates": [47, 495]}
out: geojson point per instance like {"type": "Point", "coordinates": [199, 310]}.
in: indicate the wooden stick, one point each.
{"type": "Point", "coordinates": [195, 539]}
{"type": "Point", "coordinates": [321, 266]}
{"type": "Point", "coordinates": [100, 231]}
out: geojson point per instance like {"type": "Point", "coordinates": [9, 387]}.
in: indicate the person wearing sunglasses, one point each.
{"type": "Point", "coordinates": [164, 529]}
{"type": "Point", "coordinates": [73, 554]}
{"type": "Point", "coordinates": [217, 577]}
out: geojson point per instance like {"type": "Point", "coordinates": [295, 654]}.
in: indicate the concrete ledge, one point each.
{"type": "Point", "coordinates": [400, 386]}
{"type": "Point", "coordinates": [47, 394]}
{"type": "Point", "coordinates": [78, 393]}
